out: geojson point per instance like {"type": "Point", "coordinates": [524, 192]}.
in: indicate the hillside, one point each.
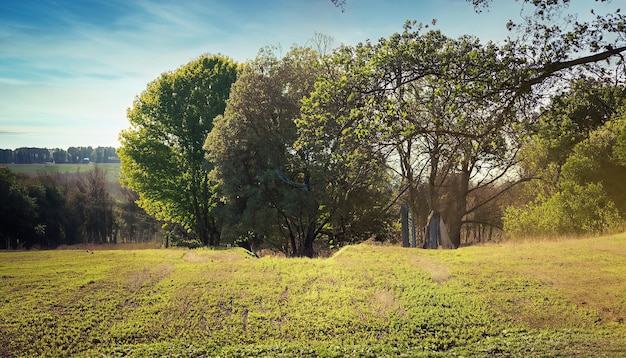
{"type": "Point", "coordinates": [563, 298]}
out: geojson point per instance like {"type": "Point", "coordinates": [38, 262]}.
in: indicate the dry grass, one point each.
{"type": "Point", "coordinates": [590, 272]}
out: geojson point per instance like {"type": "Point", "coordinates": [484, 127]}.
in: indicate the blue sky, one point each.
{"type": "Point", "coordinates": [69, 69]}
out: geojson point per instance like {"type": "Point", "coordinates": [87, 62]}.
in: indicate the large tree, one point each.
{"type": "Point", "coordinates": [443, 106]}
{"type": "Point", "coordinates": [272, 184]}
{"type": "Point", "coordinates": [551, 43]}
{"type": "Point", "coordinates": [161, 153]}
{"type": "Point", "coordinates": [588, 195]}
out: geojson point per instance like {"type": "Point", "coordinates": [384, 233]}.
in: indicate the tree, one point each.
{"type": "Point", "coordinates": [274, 184]}
{"type": "Point", "coordinates": [6, 156]}
{"type": "Point", "coordinates": [161, 153]}
{"type": "Point", "coordinates": [77, 155]}
{"type": "Point", "coordinates": [59, 156]}
{"type": "Point", "coordinates": [566, 121]}
{"type": "Point", "coordinates": [442, 106]}
{"type": "Point", "coordinates": [135, 224]}
{"type": "Point", "coordinates": [17, 212]}
{"type": "Point", "coordinates": [548, 46]}
{"type": "Point", "coordinates": [52, 216]}
{"type": "Point", "coordinates": [588, 197]}
{"type": "Point", "coordinates": [594, 160]}
{"type": "Point", "coordinates": [574, 153]}
{"type": "Point", "coordinates": [98, 211]}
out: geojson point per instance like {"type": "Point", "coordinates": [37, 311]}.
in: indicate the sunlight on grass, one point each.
{"type": "Point", "coordinates": [511, 299]}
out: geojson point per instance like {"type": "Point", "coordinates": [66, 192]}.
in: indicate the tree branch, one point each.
{"type": "Point", "coordinates": [554, 67]}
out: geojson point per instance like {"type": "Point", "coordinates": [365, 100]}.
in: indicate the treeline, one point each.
{"type": "Point", "coordinates": [73, 155]}
{"type": "Point", "coordinates": [52, 209]}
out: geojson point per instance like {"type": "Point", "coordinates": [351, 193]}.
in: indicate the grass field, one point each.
{"type": "Point", "coordinates": [32, 169]}
{"type": "Point", "coordinates": [538, 299]}
{"type": "Point", "coordinates": [112, 171]}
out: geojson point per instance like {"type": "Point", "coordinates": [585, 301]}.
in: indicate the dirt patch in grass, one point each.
{"type": "Point", "coordinates": [134, 280]}
{"type": "Point", "coordinates": [438, 271]}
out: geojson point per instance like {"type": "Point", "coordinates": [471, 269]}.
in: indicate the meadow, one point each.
{"type": "Point", "coordinates": [32, 169]}
{"type": "Point", "coordinates": [537, 299]}
{"type": "Point", "coordinates": [111, 170]}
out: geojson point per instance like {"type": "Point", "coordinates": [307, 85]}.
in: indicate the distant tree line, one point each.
{"type": "Point", "coordinates": [52, 209]}
{"type": "Point", "coordinates": [73, 155]}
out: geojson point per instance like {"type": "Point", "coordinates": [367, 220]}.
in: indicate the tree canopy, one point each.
{"type": "Point", "coordinates": [440, 110]}
{"type": "Point", "coordinates": [273, 184]}
{"type": "Point", "coordinates": [161, 153]}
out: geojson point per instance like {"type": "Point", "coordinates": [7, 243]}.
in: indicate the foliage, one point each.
{"type": "Point", "coordinates": [440, 111]}
{"type": "Point", "coordinates": [59, 205]}
{"type": "Point", "coordinates": [594, 160]}
{"type": "Point", "coordinates": [521, 300]}
{"type": "Point", "coordinates": [277, 190]}
{"type": "Point", "coordinates": [574, 209]}
{"type": "Point", "coordinates": [566, 121]}
{"type": "Point", "coordinates": [619, 150]}
{"type": "Point", "coordinates": [161, 153]}
{"type": "Point", "coordinates": [589, 196]}
{"type": "Point", "coordinates": [17, 210]}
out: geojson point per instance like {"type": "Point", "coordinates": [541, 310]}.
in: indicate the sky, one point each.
{"type": "Point", "coordinates": [69, 69]}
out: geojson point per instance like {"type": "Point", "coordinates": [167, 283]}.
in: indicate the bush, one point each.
{"type": "Point", "coordinates": [575, 209]}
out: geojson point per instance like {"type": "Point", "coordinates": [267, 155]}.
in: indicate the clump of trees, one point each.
{"type": "Point", "coordinates": [285, 151]}
{"type": "Point", "coordinates": [323, 145]}
{"type": "Point", "coordinates": [577, 154]}
{"type": "Point", "coordinates": [52, 209]}
{"type": "Point", "coordinates": [278, 188]}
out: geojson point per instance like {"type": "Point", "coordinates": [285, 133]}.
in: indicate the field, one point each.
{"type": "Point", "coordinates": [534, 299]}
{"type": "Point", "coordinates": [112, 171]}
{"type": "Point", "coordinates": [31, 169]}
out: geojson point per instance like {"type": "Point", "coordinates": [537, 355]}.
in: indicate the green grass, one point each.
{"type": "Point", "coordinates": [112, 171]}
{"type": "Point", "coordinates": [534, 299]}
{"type": "Point", "coordinates": [32, 169]}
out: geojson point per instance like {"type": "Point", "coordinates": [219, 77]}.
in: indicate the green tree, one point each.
{"type": "Point", "coordinates": [161, 153]}
{"type": "Point", "coordinates": [59, 156]}
{"type": "Point", "coordinates": [18, 212]}
{"type": "Point", "coordinates": [50, 198]}
{"type": "Point", "coordinates": [573, 209]}
{"type": "Point", "coordinates": [589, 195]}
{"type": "Point", "coordinates": [594, 160]}
{"type": "Point", "coordinates": [442, 106]}
{"type": "Point", "coordinates": [273, 184]}
{"type": "Point", "coordinates": [619, 151]}
{"type": "Point", "coordinates": [566, 121]}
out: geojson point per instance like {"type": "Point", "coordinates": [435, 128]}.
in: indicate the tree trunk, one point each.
{"type": "Point", "coordinates": [457, 208]}
{"type": "Point", "coordinates": [308, 241]}
{"type": "Point", "coordinates": [203, 233]}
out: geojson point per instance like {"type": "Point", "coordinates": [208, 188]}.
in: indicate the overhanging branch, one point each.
{"type": "Point", "coordinates": [554, 67]}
